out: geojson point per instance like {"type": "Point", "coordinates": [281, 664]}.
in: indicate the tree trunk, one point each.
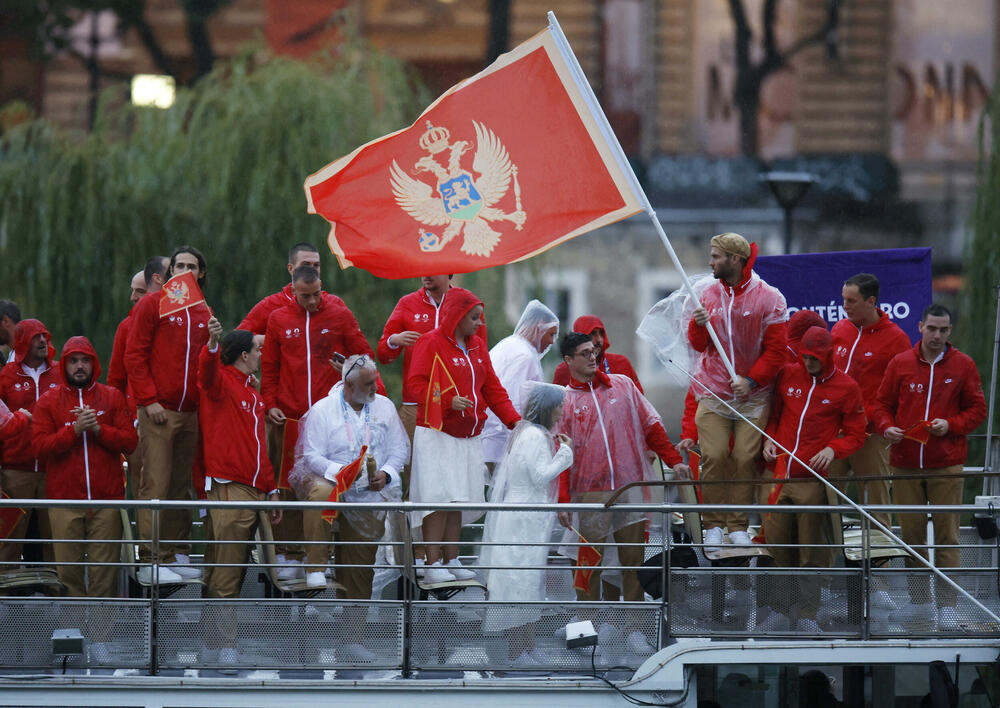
{"type": "Point", "coordinates": [746, 96]}
{"type": "Point", "coordinates": [201, 44]}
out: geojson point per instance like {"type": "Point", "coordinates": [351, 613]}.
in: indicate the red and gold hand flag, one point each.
{"type": "Point", "coordinates": [921, 432]}
{"type": "Point", "coordinates": [503, 166]}
{"type": "Point", "coordinates": [436, 388]}
{"type": "Point", "coordinates": [180, 293]}
{"type": "Point", "coordinates": [780, 475]}
{"type": "Point", "coordinates": [587, 558]}
{"type": "Point", "coordinates": [694, 462]}
{"type": "Point", "coordinates": [345, 479]}
{"type": "Point", "coordinates": [289, 437]}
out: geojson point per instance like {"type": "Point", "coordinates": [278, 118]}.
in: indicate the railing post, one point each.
{"type": "Point", "coordinates": [154, 589]}
{"type": "Point", "coordinates": [663, 631]}
{"type": "Point", "coordinates": [407, 552]}
{"type": "Point", "coordinates": [866, 565]}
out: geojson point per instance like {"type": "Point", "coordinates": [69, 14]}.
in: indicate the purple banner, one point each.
{"type": "Point", "coordinates": [813, 281]}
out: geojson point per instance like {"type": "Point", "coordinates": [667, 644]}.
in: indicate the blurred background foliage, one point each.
{"type": "Point", "coordinates": [222, 170]}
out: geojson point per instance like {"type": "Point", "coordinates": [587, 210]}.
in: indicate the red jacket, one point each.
{"type": "Point", "coordinates": [231, 417]}
{"type": "Point", "coordinates": [256, 319]}
{"type": "Point", "coordinates": [116, 367]}
{"type": "Point", "coordinates": [89, 465]}
{"type": "Point", "coordinates": [161, 358]}
{"type": "Point", "coordinates": [915, 390]}
{"type": "Point", "coordinates": [13, 423]}
{"type": "Point", "coordinates": [809, 413]}
{"type": "Point", "coordinates": [798, 324]}
{"type": "Point", "coordinates": [750, 322]}
{"type": "Point", "coordinates": [295, 366]}
{"type": "Point", "coordinates": [471, 370]}
{"type": "Point", "coordinates": [18, 390]}
{"type": "Point", "coordinates": [608, 362]}
{"type": "Point", "coordinates": [415, 312]}
{"type": "Point", "coordinates": [865, 352]}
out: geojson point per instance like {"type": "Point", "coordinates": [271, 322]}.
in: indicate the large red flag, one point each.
{"type": "Point", "coordinates": [180, 293]}
{"type": "Point", "coordinates": [433, 413]}
{"type": "Point", "coordinates": [504, 165]}
{"type": "Point", "coordinates": [345, 478]}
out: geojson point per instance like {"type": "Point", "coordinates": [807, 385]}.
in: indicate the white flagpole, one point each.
{"type": "Point", "coordinates": [612, 140]}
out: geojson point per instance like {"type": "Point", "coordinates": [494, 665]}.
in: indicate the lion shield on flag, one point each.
{"type": "Point", "coordinates": [177, 292]}
{"type": "Point", "coordinates": [462, 201]}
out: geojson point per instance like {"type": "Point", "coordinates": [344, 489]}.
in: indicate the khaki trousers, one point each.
{"type": "Point", "coordinates": [82, 527]}
{"type": "Point", "coordinates": [288, 531]}
{"type": "Point", "coordinates": [234, 528]}
{"type": "Point", "coordinates": [870, 461]}
{"type": "Point", "coordinates": [168, 452]}
{"type": "Point", "coordinates": [595, 528]}
{"type": "Point", "coordinates": [24, 484]}
{"type": "Point", "coordinates": [737, 467]}
{"type": "Point", "coordinates": [134, 460]}
{"type": "Point", "coordinates": [946, 488]}
{"type": "Point", "coordinates": [785, 528]}
{"type": "Point", "coordinates": [350, 551]}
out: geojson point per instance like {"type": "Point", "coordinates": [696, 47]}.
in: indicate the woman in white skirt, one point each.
{"type": "Point", "coordinates": [455, 382]}
{"type": "Point", "coordinates": [527, 473]}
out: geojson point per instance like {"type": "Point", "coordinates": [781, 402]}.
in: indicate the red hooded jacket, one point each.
{"type": "Point", "coordinates": [256, 319]}
{"type": "Point", "coordinates": [471, 370]}
{"type": "Point", "coordinates": [415, 312]}
{"type": "Point", "coordinates": [915, 390]}
{"type": "Point", "coordinates": [809, 413]}
{"type": "Point", "coordinates": [19, 390]}
{"type": "Point", "coordinates": [12, 423]}
{"type": "Point", "coordinates": [295, 365]}
{"type": "Point", "coordinates": [608, 362]}
{"type": "Point", "coordinates": [161, 358]}
{"type": "Point", "coordinates": [88, 465]}
{"type": "Point", "coordinates": [864, 353]}
{"type": "Point", "coordinates": [798, 324]}
{"type": "Point", "coordinates": [231, 416]}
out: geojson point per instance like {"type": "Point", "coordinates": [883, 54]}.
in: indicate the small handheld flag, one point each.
{"type": "Point", "coordinates": [921, 432]}
{"type": "Point", "coordinates": [345, 479]}
{"type": "Point", "coordinates": [587, 558]}
{"type": "Point", "coordinates": [436, 388]}
{"type": "Point", "coordinates": [180, 293]}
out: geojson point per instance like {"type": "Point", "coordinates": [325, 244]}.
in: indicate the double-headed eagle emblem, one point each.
{"type": "Point", "coordinates": [177, 292]}
{"type": "Point", "coordinates": [456, 199]}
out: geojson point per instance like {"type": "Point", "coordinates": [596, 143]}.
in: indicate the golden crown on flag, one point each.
{"type": "Point", "coordinates": [435, 139]}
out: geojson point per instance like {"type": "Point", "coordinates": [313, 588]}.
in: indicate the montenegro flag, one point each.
{"type": "Point", "coordinates": [440, 383]}
{"type": "Point", "coordinates": [921, 432]}
{"type": "Point", "coordinates": [345, 479]}
{"type": "Point", "coordinates": [587, 558]}
{"type": "Point", "coordinates": [180, 293]}
{"type": "Point", "coordinates": [503, 166]}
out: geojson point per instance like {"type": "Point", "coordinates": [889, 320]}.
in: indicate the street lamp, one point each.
{"type": "Point", "coordinates": [788, 188]}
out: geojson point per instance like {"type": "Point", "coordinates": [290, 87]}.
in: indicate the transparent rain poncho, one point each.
{"type": "Point", "coordinates": [5, 414]}
{"type": "Point", "coordinates": [517, 359]}
{"type": "Point", "coordinates": [527, 473]}
{"type": "Point", "coordinates": [738, 321]}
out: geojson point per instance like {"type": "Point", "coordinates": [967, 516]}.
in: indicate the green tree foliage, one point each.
{"type": "Point", "coordinates": [222, 170]}
{"type": "Point", "coordinates": [982, 265]}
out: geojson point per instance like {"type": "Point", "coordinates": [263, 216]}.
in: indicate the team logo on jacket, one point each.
{"type": "Point", "coordinates": [458, 361]}
{"type": "Point", "coordinates": [918, 387]}
{"type": "Point", "coordinates": [841, 351]}
{"type": "Point", "coordinates": [462, 202]}
{"type": "Point", "coordinates": [17, 387]}
{"type": "Point", "coordinates": [324, 330]}
{"type": "Point", "coordinates": [177, 292]}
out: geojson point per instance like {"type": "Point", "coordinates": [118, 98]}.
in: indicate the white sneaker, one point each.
{"type": "Point", "coordinates": [164, 576]}
{"type": "Point", "coordinates": [188, 572]}
{"type": "Point", "coordinates": [921, 617]}
{"type": "Point", "coordinates": [316, 579]}
{"type": "Point", "coordinates": [418, 567]}
{"type": "Point", "coordinates": [740, 538]}
{"type": "Point", "coordinates": [456, 568]}
{"type": "Point", "coordinates": [713, 540]}
{"type": "Point", "coordinates": [228, 660]}
{"type": "Point", "coordinates": [947, 618]}
{"type": "Point", "coordinates": [182, 558]}
{"type": "Point", "coordinates": [291, 572]}
{"type": "Point", "coordinates": [638, 644]}
{"type": "Point", "coordinates": [774, 622]}
{"type": "Point", "coordinates": [437, 573]}
{"type": "Point", "coordinates": [883, 600]}
{"type": "Point", "coordinates": [807, 625]}
{"type": "Point", "coordinates": [99, 653]}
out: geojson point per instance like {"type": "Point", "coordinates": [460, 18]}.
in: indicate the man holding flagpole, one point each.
{"type": "Point", "coordinates": [161, 363]}
{"type": "Point", "coordinates": [749, 318]}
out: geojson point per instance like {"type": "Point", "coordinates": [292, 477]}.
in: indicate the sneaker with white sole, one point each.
{"type": "Point", "coordinates": [164, 576]}
{"type": "Point", "coordinates": [229, 659]}
{"type": "Point", "coordinates": [713, 540]}
{"type": "Point", "coordinates": [316, 579]}
{"type": "Point", "coordinates": [947, 618]}
{"type": "Point", "coordinates": [188, 572]}
{"type": "Point", "coordinates": [437, 573]}
{"type": "Point", "coordinates": [99, 653]}
{"type": "Point", "coordinates": [883, 600]}
{"type": "Point", "coordinates": [740, 538]}
{"type": "Point", "coordinates": [638, 644]}
{"type": "Point", "coordinates": [418, 567]}
{"type": "Point", "coordinates": [291, 570]}
{"type": "Point", "coordinates": [456, 568]}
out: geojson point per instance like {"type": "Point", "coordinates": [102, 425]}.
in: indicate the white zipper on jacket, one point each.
{"type": "Point", "coordinates": [850, 356]}
{"type": "Point", "coordinates": [798, 432]}
{"type": "Point", "coordinates": [729, 325]}
{"type": "Point", "coordinates": [475, 400]}
{"type": "Point", "coordinates": [927, 406]}
{"type": "Point", "coordinates": [256, 437]}
{"type": "Point", "coordinates": [309, 374]}
{"type": "Point", "coordinates": [607, 446]}
{"type": "Point", "coordinates": [36, 398]}
{"type": "Point", "coordinates": [437, 308]}
{"type": "Point", "coordinates": [86, 456]}
{"type": "Point", "coordinates": [187, 359]}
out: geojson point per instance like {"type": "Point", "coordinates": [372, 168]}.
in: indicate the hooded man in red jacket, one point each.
{"type": "Point", "coordinates": [749, 316]}
{"type": "Point", "coordinates": [607, 362]}
{"type": "Point", "coordinates": [30, 373]}
{"type": "Point", "coordinates": [863, 346]}
{"type": "Point", "coordinates": [817, 414]}
{"type": "Point", "coordinates": [932, 387]}
{"type": "Point", "coordinates": [81, 429]}
{"type": "Point", "coordinates": [161, 362]}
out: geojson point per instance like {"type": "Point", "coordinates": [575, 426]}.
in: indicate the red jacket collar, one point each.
{"type": "Point", "coordinates": [600, 379]}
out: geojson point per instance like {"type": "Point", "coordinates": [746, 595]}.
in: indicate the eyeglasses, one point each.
{"type": "Point", "coordinates": [589, 354]}
{"type": "Point", "coordinates": [361, 361]}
